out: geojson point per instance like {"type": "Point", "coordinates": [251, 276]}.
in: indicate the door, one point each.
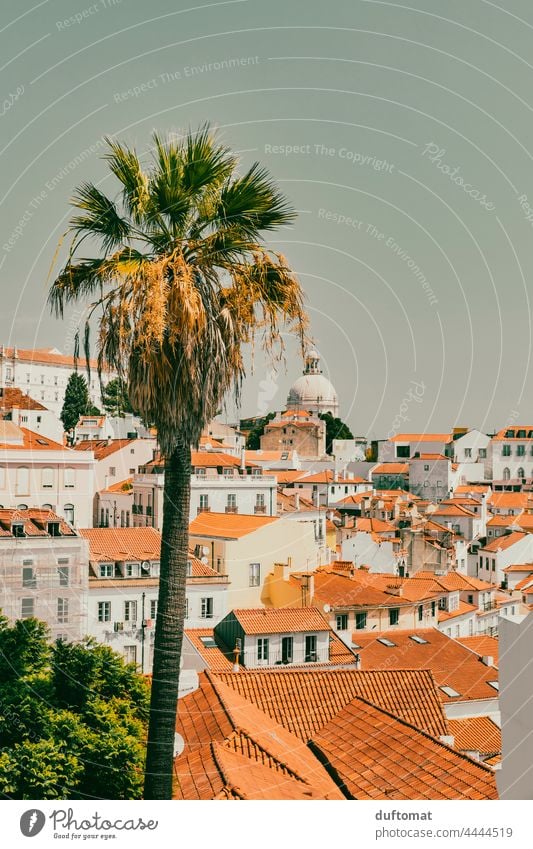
{"type": "Point", "coordinates": [286, 649]}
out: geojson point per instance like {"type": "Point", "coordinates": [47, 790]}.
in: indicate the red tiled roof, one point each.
{"type": "Point", "coordinates": [278, 620]}
{"type": "Point", "coordinates": [422, 437]}
{"type": "Point", "coordinates": [303, 701]}
{"type": "Point", "coordinates": [476, 734]}
{"type": "Point", "coordinates": [504, 542]}
{"type": "Point", "coordinates": [13, 397]}
{"type": "Point", "coordinates": [228, 525]}
{"type": "Point", "coordinates": [116, 544]}
{"type": "Point", "coordinates": [461, 610]}
{"type": "Point", "coordinates": [35, 521]}
{"type": "Point", "coordinates": [31, 441]}
{"type": "Point", "coordinates": [451, 664]}
{"type": "Point", "coordinates": [501, 435]}
{"type": "Point", "coordinates": [519, 567]}
{"type": "Point", "coordinates": [103, 448]}
{"type": "Point", "coordinates": [482, 645]}
{"type": "Point", "coordinates": [376, 755]}
{"type": "Point", "coordinates": [391, 469]}
{"type": "Point", "coordinates": [45, 356]}
{"type": "Point", "coordinates": [509, 499]}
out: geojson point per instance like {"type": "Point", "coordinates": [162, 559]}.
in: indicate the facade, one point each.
{"type": "Point", "coordinates": [245, 548]}
{"type": "Point", "coordinates": [219, 483]}
{"type": "Point", "coordinates": [403, 446]}
{"type": "Point", "coordinates": [512, 454]}
{"type": "Point", "coordinates": [123, 588]}
{"type": "Point", "coordinates": [116, 459]}
{"type": "Point", "coordinates": [114, 506]}
{"type": "Point", "coordinates": [296, 430]}
{"type": "Point", "coordinates": [35, 471]}
{"type": "Point", "coordinates": [431, 476]}
{"type": "Point", "coordinates": [43, 571]}
{"type": "Point", "coordinates": [491, 559]}
{"type": "Point", "coordinates": [24, 411]}
{"type": "Point", "coordinates": [105, 427]}
{"type": "Point", "coordinates": [43, 373]}
{"type": "Point", "coordinates": [474, 447]}
{"type": "Point", "coordinates": [313, 391]}
{"type": "Point", "coordinates": [328, 489]}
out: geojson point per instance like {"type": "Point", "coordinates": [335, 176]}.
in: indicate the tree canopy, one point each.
{"type": "Point", "coordinates": [77, 401]}
{"type": "Point", "coordinates": [253, 440]}
{"type": "Point", "coordinates": [73, 718]}
{"type": "Point", "coordinates": [115, 398]}
{"type": "Point", "coordinates": [335, 429]}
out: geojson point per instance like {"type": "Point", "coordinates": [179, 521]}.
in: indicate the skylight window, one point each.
{"type": "Point", "coordinates": [208, 642]}
{"type": "Point", "coordinates": [43, 442]}
{"type": "Point", "coordinates": [495, 684]}
{"type": "Point", "coordinates": [449, 691]}
{"type": "Point", "coordinates": [385, 642]}
{"type": "Point", "coordinates": [417, 639]}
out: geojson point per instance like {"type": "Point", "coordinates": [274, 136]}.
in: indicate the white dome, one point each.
{"type": "Point", "coordinates": [314, 392]}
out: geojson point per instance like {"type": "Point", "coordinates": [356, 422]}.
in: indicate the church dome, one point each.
{"type": "Point", "coordinates": [313, 391]}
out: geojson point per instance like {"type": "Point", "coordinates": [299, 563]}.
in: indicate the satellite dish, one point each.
{"type": "Point", "coordinates": [326, 608]}
{"type": "Point", "coordinates": [205, 550]}
{"type": "Point", "coordinates": [179, 745]}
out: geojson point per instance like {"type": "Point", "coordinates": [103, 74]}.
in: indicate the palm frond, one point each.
{"type": "Point", "coordinates": [125, 165]}
{"type": "Point", "coordinates": [253, 203]}
{"type": "Point", "coordinates": [101, 217]}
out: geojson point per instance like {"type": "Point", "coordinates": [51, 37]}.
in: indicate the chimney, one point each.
{"type": "Point", "coordinates": [243, 458]}
{"type": "Point", "coordinates": [449, 739]}
{"type": "Point", "coordinates": [296, 500]}
{"type": "Point", "coordinates": [487, 659]}
{"type": "Point", "coordinates": [358, 661]}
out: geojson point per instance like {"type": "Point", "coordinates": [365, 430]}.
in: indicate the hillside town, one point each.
{"type": "Point", "coordinates": [333, 584]}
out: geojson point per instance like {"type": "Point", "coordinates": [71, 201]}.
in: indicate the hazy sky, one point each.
{"type": "Point", "coordinates": [401, 132]}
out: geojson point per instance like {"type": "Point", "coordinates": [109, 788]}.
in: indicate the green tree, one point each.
{"type": "Point", "coordinates": [77, 402]}
{"type": "Point", "coordinates": [73, 718]}
{"type": "Point", "coordinates": [182, 282]}
{"type": "Point", "coordinates": [253, 441]}
{"type": "Point", "coordinates": [115, 398]}
{"type": "Point", "coordinates": [335, 429]}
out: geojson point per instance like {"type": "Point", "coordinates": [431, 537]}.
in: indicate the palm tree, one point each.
{"type": "Point", "coordinates": [182, 283]}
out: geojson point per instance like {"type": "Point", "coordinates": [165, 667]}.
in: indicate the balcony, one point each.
{"type": "Point", "coordinates": [148, 511]}
{"type": "Point", "coordinates": [260, 509]}
{"type": "Point", "coordinates": [298, 658]}
{"type": "Point", "coordinates": [202, 510]}
{"type": "Point", "coordinates": [489, 605]}
{"type": "Point", "coordinates": [230, 509]}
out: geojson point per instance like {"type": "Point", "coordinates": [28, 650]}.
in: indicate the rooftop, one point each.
{"type": "Point", "coordinates": [278, 620]}
{"type": "Point", "coordinates": [228, 525]}
{"type": "Point", "coordinates": [121, 544]}
{"type": "Point", "coordinates": [103, 448]}
{"type": "Point", "coordinates": [422, 437]}
{"type": "Point", "coordinates": [13, 397]}
{"type": "Point", "coordinates": [476, 734]}
{"type": "Point", "coordinates": [35, 523]}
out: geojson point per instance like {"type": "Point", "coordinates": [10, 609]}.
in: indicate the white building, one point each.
{"type": "Point", "coordinates": [473, 447]}
{"type": "Point", "coordinates": [116, 459]}
{"type": "Point", "coordinates": [43, 571]}
{"type": "Point", "coordinates": [219, 483]}
{"type": "Point", "coordinates": [24, 411]}
{"type": "Point", "coordinates": [104, 427]}
{"type": "Point", "coordinates": [492, 558]}
{"type": "Point", "coordinates": [328, 489]}
{"type": "Point", "coordinates": [124, 588]}
{"type": "Point", "coordinates": [403, 446]}
{"type": "Point", "coordinates": [37, 472]}
{"type": "Point", "coordinates": [43, 373]}
{"type": "Point", "coordinates": [512, 454]}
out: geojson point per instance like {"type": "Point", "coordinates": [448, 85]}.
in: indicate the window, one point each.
{"type": "Point", "coordinates": [450, 692]}
{"type": "Point", "coordinates": [42, 378]}
{"type": "Point", "coordinates": [47, 478]}
{"type": "Point", "coordinates": [17, 530]}
{"type": "Point", "coordinates": [470, 599]}
{"type": "Point", "coordinates": [130, 654]}
{"type": "Point", "coordinates": [62, 611]}
{"type": "Point", "coordinates": [520, 450]}
{"type": "Point", "coordinates": [186, 608]}
{"type": "Point", "coordinates": [342, 621]}
{"type": "Point", "coordinates": [385, 642]}
{"type": "Point", "coordinates": [26, 608]}
{"type": "Point", "coordinates": [433, 608]}
{"type": "Point", "coordinates": [204, 502]}
{"type": "Point", "coordinates": [287, 647]}
{"type": "Point", "coordinates": [64, 577]}
{"type": "Point", "coordinates": [153, 608]}
{"type": "Point", "coordinates": [468, 452]}
{"type": "Point", "coordinates": [232, 500]}
{"type": "Point", "coordinates": [482, 453]}
{"type": "Point", "coordinates": [132, 450]}
{"type": "Point", "coordinates": [206, 608]}
{"type": "Point", "coordinates": [68, 513]}
{"type": "Point", "coordinates": [520, 472]}
{"type": "Point", "coordinates": [228, 473]}
{"type": "Point", "coordinates": [107, 570]}
{"type": "Point", "coordinates": [394, 615]}
{"type": "Point", "coordinates": [104, 611]}
{"type": "Point", "coordinates": [493, 565]}
{"type": "Point", "coordinates": [260, 499]}
{"type": "Point", "coordinates": [420, 612]}
{"type": "Point", "coordinates": [22, 481]}
{"type": "Point", "coordinates": [69, 478]}
{"type": "Point", "coordinates": [310, 648]}
{"type": "Point", "coordinates": [199, 470]}
{"type": "Point", "coordinates": [255, 574]}
{"type": "Point", "coordinates": [360, 621]}
{"type": "Point", "coordinates": [132, 570]}
{"type": "Point", "coordinates": [416, 638]}
{"type": "Point", "coordinates": [506, 450]}
{"type": "Point", "coordinates": [403, 451]}
{"type": "Point", "coordinates": [426, 468]}
{"type": "Point", "coordinates": [130, 611]}
{"type": "Point", "coordinates": [28, 577]}
{"type": "Point", "coordinates": [27, 378]}
{"type": "Point", "coordinates": [506, 474]}
{"type": "Point", "coordinates": [112, 471]}
{"type": "Point", "coordinates": [262, 649]}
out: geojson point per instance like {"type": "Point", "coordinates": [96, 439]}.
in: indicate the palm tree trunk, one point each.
{"type": "Point", "coordinates": [169, 625]}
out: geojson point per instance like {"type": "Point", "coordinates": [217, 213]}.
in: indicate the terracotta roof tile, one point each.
{"type": "Point", "coordinates": [451, 663]}
{"type": "Point", "coordinates": [476, 734]}
{"type": "Point", "coordinates": [278, 620]}
{"type": "Point", "coordinates": [461, 610]}
{"type": "Point", "coordinates": [30, 441]}
{"type": "Point", "coordinates": [303, 701]}
{"type": "Point", "coordinates": [422, 437]}
{"type": "Point", "coordinates": [391, 469]}
{"type": "Point", "coordinates": [108, 544]}
{"type": "Point", "coordinates": [13, 397]}
{"type": "Point", "coordinates": [228, 525]}
{"type": "Point", "coordinates": [504, 542]}
{"type": "Point", "coordinates": [103, 448]}
{"type": "Point", "coordinates": [375, 755]}
{"type": "Point", "coordinates": [46, 356]}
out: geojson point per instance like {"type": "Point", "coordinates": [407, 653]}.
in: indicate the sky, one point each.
{"type": "Point", "coordinates": [401, 132]}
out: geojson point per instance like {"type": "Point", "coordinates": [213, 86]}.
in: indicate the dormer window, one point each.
{"type": "Point", "coordinates": [107, 570]}
{"type": "Point", "coordinates": [53, 529]}
{"type": "Point", "coordinates": [18, 530]}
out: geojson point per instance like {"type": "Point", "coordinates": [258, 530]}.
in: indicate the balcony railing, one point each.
{"type": "Point", "coordinates": [298, 657]}
{"type": "Point", "coordinates": [232, 509]}
{"type": "Point", "coordinates": [490, 605]}
{"type": "Point", "coordinates": [260, 508]}
{"type": "Point", "coordinates": [202, 510]}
